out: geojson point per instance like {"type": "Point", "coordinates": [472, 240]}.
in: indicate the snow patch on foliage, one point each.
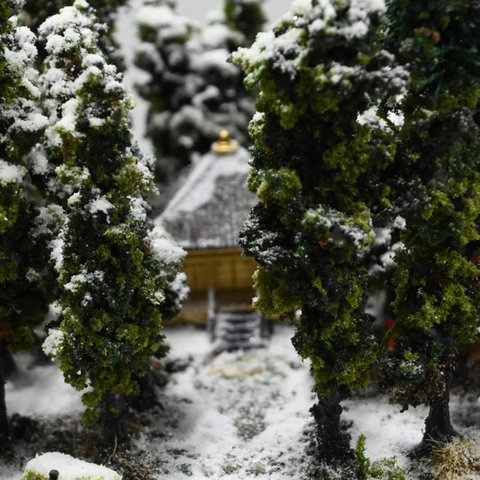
{"type": "Point", "coordinates": [285, 52]}
{"type": "Point", "coordinates": [138, 208]}
{"type": "Point", "coordinates": [10, 173]}
{"type": "Point", "coordinates": [371, 117]}
{"type": "Point", "coordinates": [213, 60]}
{"type": "Point", "coordinates": [84, 277]}
{"type": "Point", "coordinates": [52, 345]}
{"type": "Point", "coordinates": [56, 248]}
{"type": "Point", "coordinates": [100, 204]}
{"type": "Point", "coordinates": [164, 247]}
{"type": "Point", "coordinates": [38, 161]}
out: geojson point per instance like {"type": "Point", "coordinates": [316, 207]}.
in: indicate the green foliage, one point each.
{"type": "Point", "coordinates": [410, 371]}
{"type": "Point", "coordinates": [111, 273]}
{"type": "Point", "coordinates": [383, 469]}
{"type": "Point", "coordinates": [434, 183]}
{"type": "Point", "coordinates": [22, 298]}
{"type": "Point", "coordinates": [312, 169]}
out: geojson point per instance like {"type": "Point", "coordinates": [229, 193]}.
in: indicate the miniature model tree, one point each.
{"type": "Point", "coordinates": [317, 71]}
{"type": "Point", "coordinates": [113, 271]}
{"type": "Point", "coordinates": [22, 304]}
{"type": "Point", "coordinates": [435, 183]}
{"type": "Point", "coordinates": [193, 91]}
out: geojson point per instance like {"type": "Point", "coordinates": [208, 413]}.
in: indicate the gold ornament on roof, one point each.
{"type": "Point", "coordinates": [224, 145]}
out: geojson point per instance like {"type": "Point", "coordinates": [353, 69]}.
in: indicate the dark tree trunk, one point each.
{"type": "Point", "coordinates": [114, 420]}
{"type": "Point", "coordinates": [147, 397]}
{"type": "Point", "coordinates": [7, 361]}
{"type": "Point", "coordinates": [438, 426]}
{"type": "Point", "coordinates": [3, 406]}
{"type": "Point", "coordinates": [333, 444]}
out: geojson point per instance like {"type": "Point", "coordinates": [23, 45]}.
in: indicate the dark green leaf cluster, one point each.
{"type": "Point", "coordinates": [435, 184]}
{"type": "Point", "coordinates": [316, 72]}
{"type": "Point", "coordinates": [410, 370]}
{"type": "Point", "coordinates": [22, 298]}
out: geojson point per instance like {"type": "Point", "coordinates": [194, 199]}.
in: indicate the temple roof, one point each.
{"type": "Point", "coordinates": [212, 203]}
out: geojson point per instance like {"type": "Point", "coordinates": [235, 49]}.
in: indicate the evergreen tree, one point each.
{"type": "Point", "coordinates": [22, 302]}
{"type": "Point", "coordinates": [318, 69]}
{"type": "Point", "coordinates": [193, 91]}
{"type": "Point", "coordinates": [113, 270]}
{"type": "Point", "coordinates": [434, 184]}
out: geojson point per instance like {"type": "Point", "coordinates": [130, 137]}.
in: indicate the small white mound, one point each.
{"type": "Point", "coordinates": [69, 468]}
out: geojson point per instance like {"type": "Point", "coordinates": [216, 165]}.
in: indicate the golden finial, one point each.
{"type": "Point", "coordinates": [224, 145]}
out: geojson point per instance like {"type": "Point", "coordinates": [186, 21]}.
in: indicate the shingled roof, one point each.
{"type": "Point", "coordinates": [213, 202]}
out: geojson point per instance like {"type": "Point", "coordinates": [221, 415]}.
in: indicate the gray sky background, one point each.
{"type": "Point", "coordinates": [198, 8]}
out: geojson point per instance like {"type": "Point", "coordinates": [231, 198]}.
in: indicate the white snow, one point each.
{"type": "Point", "coordinates": [56, 252]}
{"type": "Point", "coordinates": [75, 282]}
{"type": "Point", "coordinates": [53, 343]}
{"type": "Point", "coordinates": [236, 416]}
{"type": "Point", "coordinates": [101, 204]}
{"type": "Point", "coordinates": [33, 123]}
{"type": "Point", "coordinates": [84, 277]}
{"type": "Point", "coordinates": [69, 468]}
{"type": "Point", "coordinates": [74, 199]}
{"type": "Point", "coordinates": [213, 59]}
{"type": "Point", "coordinates": [68, 122]}
{"type": "Point", "coordinates": [39, 162]}
{"type": "Point", "coordinates": [10, 173]}
{"type": "Point", "coordinates": [138, 208]}
{"type": "Point", "coordinates": [165, 248]}
{"type": "Point", "coordinates": [40, 392]}
{"type": "Point", "coordinates": [284, 51]}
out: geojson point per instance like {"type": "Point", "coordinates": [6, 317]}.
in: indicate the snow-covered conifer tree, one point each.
{"type": "Point", "coordinates": [22, 304]}
{"type": "Point", "coordinates": [113, 270]}
{"type": "Point", "coordinates": [317, 71]}
{"type": "Point", "coordinates": [435, 186]}
{"type": "Point", "coordinates": [193, 91]}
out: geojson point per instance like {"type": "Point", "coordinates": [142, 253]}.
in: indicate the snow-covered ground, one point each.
{"type": "Point", "coordinates": [240, 415]}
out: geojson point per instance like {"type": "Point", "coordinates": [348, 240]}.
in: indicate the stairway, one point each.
{"type": "Point", "coordinates": [238, 330]}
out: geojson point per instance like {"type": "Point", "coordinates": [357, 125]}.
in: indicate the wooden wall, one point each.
{"type": "Point", "coordinates": [224, 270]}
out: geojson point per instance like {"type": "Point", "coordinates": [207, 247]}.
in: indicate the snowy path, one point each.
{"type": "Point", "coordinates": [240, 415]}
{"type": "Point", "coordinates": [234, 416]}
